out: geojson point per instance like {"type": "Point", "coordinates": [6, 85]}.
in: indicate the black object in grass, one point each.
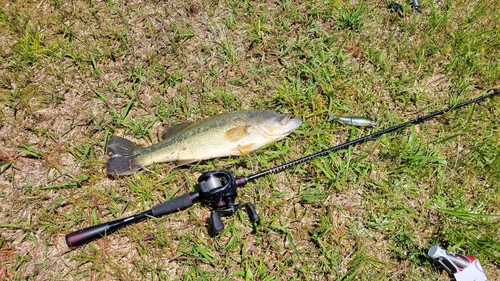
{"type": "Point", "coordinates": [218, 188]}
{"type": "Point", "coordinates": [416, 6]}
{"type": "Point", "coordinates": [396, 8]}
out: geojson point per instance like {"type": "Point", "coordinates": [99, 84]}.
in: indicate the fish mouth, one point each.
{"type": "Point", "coordinates": [281, 127]}
{"type": "Point", "coordinates": [291, 122]}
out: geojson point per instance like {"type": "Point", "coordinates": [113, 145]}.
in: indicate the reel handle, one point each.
{"type": "Point", "coordinates": [252, 214]}
{"type": "Point", "coordinates": [217, 224]}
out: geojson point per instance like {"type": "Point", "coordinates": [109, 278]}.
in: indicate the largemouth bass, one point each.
{"type": "Point", "coordinates": [228, 134]}
{"type": "Point", "coordinates": [353, 120]}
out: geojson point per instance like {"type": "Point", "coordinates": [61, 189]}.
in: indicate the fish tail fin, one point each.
{"type": "Point", "coordinates": [332, 116]}
{"type": "Point", "coordinates": [121, 146]}
{"type": "Point", "coordinates": [123, 161]}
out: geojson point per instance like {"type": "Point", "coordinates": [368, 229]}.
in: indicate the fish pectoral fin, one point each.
{"type": "Point", "coordinates": [236, 133]}
{"type": "Point", "coordinates": [244, 149]}
{"type": "Point", "coordinates": [174, 130]}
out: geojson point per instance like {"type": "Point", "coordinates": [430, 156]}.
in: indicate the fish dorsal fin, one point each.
{"type": "Point", "coordinates": [174, 130]}
{"type": "Point", "coordinates": [236, 133]}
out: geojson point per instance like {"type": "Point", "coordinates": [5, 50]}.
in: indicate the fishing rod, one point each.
{"type": "Point", "coordinates": [218, 188]}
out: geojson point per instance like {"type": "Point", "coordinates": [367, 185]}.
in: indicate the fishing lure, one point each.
{"type": "Point", "coordinates": [218, 188]}
{"type": "Point", "coordinates": [353, 120]}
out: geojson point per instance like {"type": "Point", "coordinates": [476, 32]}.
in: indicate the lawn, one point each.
{"type": "Point", "coordinates": [74, 73]}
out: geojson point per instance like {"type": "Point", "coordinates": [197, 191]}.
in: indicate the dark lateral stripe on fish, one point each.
{"type": "Point", "coordinates": [222, 135]}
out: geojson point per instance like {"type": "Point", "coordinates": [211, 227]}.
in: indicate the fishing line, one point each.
{"type": "Point", "coordinates": [218, 188]}
{"type": "Point", "coordinates": [368, 137]}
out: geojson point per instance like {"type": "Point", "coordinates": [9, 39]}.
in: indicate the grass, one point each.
{"type": "Point", "coordinates": [73, 74]}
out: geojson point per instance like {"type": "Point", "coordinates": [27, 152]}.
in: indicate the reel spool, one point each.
{"type": "Point", "coordinates": [218, 189]}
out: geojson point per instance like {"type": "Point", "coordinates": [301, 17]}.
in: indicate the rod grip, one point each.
{"type": "Point", "coordinates": [88, 234]}
{"type": "Point", "coordinates": [175, 204]}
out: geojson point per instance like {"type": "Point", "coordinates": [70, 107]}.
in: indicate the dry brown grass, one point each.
{"type": "Point", "coordinates": [74, 73]}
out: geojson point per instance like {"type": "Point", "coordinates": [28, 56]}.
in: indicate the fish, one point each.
{"type": "Point", "coordinates": [353, 120]}
{"type": "Point", "coordinates": [228, 134]}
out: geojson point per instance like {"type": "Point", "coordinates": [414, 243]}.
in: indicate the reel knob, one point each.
{"type": "Point", "coordinates": [252, 214]}
{"type": "Point", "coordinates": [218, 189]}
{"type": "Point", "coordinates": [217, 224]}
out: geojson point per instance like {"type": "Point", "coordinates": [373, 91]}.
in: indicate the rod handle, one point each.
{"type": "Point", "coordinates": [88, 234]}
{"type": "Point", "coordinates": [175, 204]}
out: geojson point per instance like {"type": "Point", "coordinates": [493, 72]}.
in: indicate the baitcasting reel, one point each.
{"type": "Point", "coordinates": [218, 189]}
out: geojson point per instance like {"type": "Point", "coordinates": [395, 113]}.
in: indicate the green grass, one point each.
{"type": "Point", "coordinates": [73, 74]}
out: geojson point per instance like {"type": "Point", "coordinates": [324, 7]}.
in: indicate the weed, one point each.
{"type": "Point", "coordinates": [74, 73]}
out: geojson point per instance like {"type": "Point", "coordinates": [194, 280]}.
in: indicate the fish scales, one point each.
{"type": "Point", "coordinates": [222, 135]}
{"type": "Point", "coordinates": [176, 147]}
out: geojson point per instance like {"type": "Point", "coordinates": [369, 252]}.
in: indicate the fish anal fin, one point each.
{"type": "Point", "coordinates": [174, 130]}
{"type": "Point", "coordinates": [236, 133]}
{"type": "Point", "coordinates": [244, 149]}
{"type": "Point", "coordinates": [185, 162]}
